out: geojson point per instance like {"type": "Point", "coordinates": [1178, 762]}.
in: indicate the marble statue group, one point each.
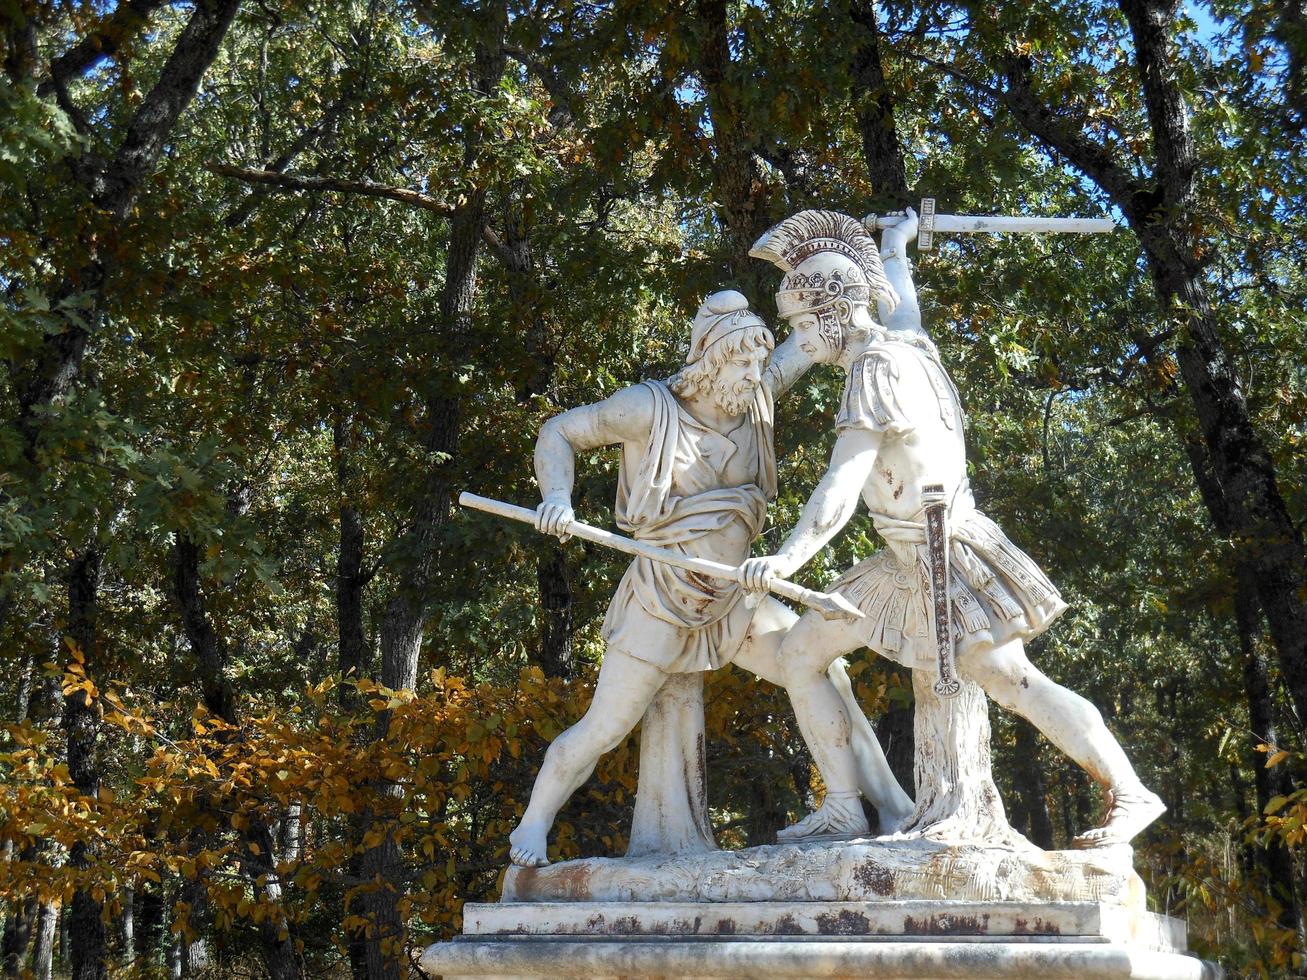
{"type": "Point", "coordinates": [948, 595]}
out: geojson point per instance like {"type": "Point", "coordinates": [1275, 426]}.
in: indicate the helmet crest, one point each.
{"type": "Point", "coordinates": [830, 259]}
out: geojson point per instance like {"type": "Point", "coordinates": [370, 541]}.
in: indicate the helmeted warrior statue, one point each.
{"type": "Point", "coordinates": [900, 447]}
{"type": "Point", "coordinates": [697, 470]}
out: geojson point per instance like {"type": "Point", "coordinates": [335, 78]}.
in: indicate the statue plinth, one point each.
{"type": "Point", "coordinates": [867, 870]}
{"type": "Point", "coordinates": [884, 908]}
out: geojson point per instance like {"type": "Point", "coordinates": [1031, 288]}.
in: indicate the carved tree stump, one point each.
{"type": "Point", "coordinates": [671, 800]}
{"type": "Point", "coordinates": [957, 800]}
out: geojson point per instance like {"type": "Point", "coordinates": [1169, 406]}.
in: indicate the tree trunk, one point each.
{"type": "Point", "coordinates": [406, 611]}
{"type": "Point", "coordinates": [556, 653]}
{"type": "Point", "coordinates": [1032, 794]}
{"type": "Point", "coordinates": [528, 300]}
{"type": "Point", "coordinates": [115, 187]}
{"type": "Point", "coordinates": [18, 932]}
{"type": "Point", "coordinates": [210, 652]}
{"type": "Point", "coordinates": [150, 929]}
{"type": "Point", "coordinates": [23, 696]}
{"type": "Point", "coordinates": [47, 921]}
{"type": "Point", "coordinates": [1273, 857]}
{"type": "Point", "coordinates": [874, 109]}
{"type": "Point", "coordinates": [82, 725]}
{"type": "Point", "coordinates": [352, 643]}
{"type": "Point", "coordinates": [128, 925]}
{"type": "Point", "coordinates": [742, 194]}
{"type": "Point", "coordinates": [289, 839]}
{"type": "Point", "coordinates": [191, 956]}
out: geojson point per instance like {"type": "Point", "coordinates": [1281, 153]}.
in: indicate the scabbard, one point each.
{"type": "Point", "coordinates": [941, 604]}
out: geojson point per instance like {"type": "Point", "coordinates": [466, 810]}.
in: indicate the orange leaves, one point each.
{"type": "Point", "coordinates": [446, 786]}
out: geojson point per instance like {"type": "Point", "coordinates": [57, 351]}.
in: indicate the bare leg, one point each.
{"type": "Point", "coordinates": [759, 653]}
{"type": "Point", "coordinates": [875, 778]}
{"type": "Point", "coordinates": [805, 655]}
{"type": "Point", "coordinates": [622, 693]}
{"type": "Point", "coordinates": [1075, 726]}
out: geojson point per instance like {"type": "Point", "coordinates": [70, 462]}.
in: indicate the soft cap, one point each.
{"type": "Point", "coordinates": [720, 315]}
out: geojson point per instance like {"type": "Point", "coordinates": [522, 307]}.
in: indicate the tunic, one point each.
{"type": "Point", "coordinates": [998, 592]}
{"type": "Point", "coordinates": [696, 491]}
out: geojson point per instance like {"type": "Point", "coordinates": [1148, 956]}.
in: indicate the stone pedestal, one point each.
{"type": "Point", "coordinates": [898, 909]}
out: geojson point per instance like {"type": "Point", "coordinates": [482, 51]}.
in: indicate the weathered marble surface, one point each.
{"type": "Point", "coordinates": [832, 871]}
{"type": "Point", "coordinates": [599, 960]}
{"type": "Point", "coordinates": [954, 921]}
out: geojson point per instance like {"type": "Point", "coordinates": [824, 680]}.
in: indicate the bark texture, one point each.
{"type": "Point", "coordinates": [82, 727]}
{"type": "Point", "coordinates": [352, 643]}
{"type": "Point", "coordinates": [874, 108]}
{"type": "Point", "coordinates": [529, 299]}
{"type": "Point", "coordinates": [19, 925]}
{"type": "Point", "coordinates": [957, 800]}
{"type": "Point", "coordinates": [406, 610]}
{"type": "Point", "coordinates": [115, 185]}
{"type": "Point", "coordinates": [741, 191]}
{"type": "Point", "coordinates": [47, 920]}
{"type": "Point", "coordinates": [1273, 859]}
{"type": "Point", "coordinates": [210, 651]}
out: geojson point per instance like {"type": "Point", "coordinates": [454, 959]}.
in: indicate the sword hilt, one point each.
{"type": "Point", "coordinates": [930, 223]}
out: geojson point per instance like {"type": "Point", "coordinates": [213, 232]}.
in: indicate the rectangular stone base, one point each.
{"type": "Point", "coordinates": [912, 940]}
{"type": "Point", "coordinates": [756, 959]}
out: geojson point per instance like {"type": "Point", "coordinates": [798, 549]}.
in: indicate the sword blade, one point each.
{"type": "Point", "coordinates": [977, 224]}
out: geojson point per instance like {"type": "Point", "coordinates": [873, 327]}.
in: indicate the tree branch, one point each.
{"type": "Point", "coordinates": [195, 50]}
{"type": "Point", "coordinates": [1168, 115]}
{"type": "Point", "coordinates": [1134, 197]}
{"type": "Point", "coordinates": [126, 20]}
{"type": "Point", "coordinates": [363, 188]}
{"type": "Point", "coordinates": [298, 146]}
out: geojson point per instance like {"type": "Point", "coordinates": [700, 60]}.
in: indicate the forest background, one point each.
{"type": "Point", "coordinates": [279, 279]}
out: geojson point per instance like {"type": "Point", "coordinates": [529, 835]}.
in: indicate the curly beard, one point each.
{"type": "Point", "coordinates": [734, 399]}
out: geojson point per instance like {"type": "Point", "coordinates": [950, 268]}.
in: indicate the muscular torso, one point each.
{"type": "Point", "coordinates": [925, 445]}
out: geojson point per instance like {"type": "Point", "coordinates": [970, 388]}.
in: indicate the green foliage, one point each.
{"type": "Point", "coordinates": [262, 359]}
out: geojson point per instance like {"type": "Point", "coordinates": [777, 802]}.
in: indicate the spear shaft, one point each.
{"type": "Point", "coordinates": [832, 606]}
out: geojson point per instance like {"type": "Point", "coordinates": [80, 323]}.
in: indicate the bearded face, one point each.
{"type": "Point", "coordinates": [734, 399]}
{"type": "Point", "coordinates": [737, 378]}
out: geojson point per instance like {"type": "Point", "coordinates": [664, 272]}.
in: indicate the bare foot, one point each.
{"type": "Point", "coordinates": [838, 816]}
{"type": "Point", "coordinates": [528, 846]}
{"type": "Point", "coordinates": [1128, 813]}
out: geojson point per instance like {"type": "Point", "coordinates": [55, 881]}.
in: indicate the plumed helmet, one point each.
{"type": "Point", "coordinates": [720, 315]}
{"type": "Point", "coordinates": [828, 257]}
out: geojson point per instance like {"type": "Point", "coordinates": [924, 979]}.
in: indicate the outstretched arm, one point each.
{"type": "Point", "coordinates": [826, 512]}
{"type": "Point", "coordinates": [627, 416]}
{"type": "Point", "coordinates": [787, 365]}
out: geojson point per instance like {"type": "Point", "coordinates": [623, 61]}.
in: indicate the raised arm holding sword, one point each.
{"type": "Point", "coordinates": [949, 584]}
{"type": "Point", "coordinates": [949, 594]}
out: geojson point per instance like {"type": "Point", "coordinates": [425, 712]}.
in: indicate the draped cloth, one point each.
{"type": "Point", "coordinates": [670, 493]}
{"type": "Point", "coordinates": [671, 496]}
